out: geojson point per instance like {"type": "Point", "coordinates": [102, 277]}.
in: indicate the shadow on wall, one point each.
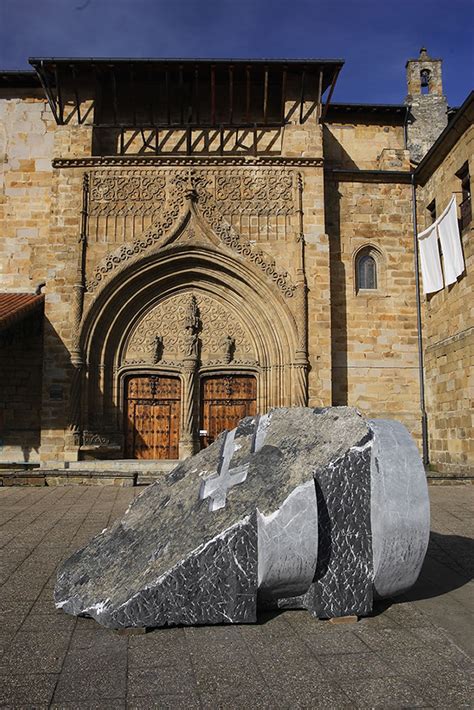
{"type": "Point", "coordinates": [334, 154]}
{"type": "Point", "coordinates": [102, 435]}
{"type": "Point", "coordinates": [21, 362]}
{"type": "Point", "coordinates": [337, 157]}
{"type": "Point", "coordinates": [338, 288]}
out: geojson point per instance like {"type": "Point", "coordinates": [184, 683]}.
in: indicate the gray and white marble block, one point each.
{"type": "Point", "coordinates": [313, 508]}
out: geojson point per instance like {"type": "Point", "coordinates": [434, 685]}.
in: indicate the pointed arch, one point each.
{"type": "Point", "coordinates": [204, 267]}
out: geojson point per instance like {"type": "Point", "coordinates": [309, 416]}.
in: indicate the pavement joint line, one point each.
{"type": "Point", "coordinates": [434, 614]}
{"type": "Point", "coordinates": [27, 557]}
{"type": "Point", "coordinates": [63, 661]}
{"type": "Point", "coordinates": [34, 548]}
{"type": "Point", "coordinates": [193, 666]}
{"type": "Point", "coordinates": [33, 504]}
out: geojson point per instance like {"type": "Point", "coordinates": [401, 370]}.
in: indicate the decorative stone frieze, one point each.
{"type": "Point", "coordinates": [167, 321]}
{"type": "Point", "coordinates": [263, 193]}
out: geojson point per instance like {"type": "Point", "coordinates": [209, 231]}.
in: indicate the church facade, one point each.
{"type": "Point", "coordinates": [188, 242]}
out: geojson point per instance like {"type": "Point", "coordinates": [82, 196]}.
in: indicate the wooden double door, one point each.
{"type": "Point", "coordinates": [153, 411]}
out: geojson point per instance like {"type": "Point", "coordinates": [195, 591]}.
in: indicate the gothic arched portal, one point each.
{"type": "Point", "coordinates": [190, 314]}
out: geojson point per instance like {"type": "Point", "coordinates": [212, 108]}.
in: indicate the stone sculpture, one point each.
{"type": "Point", "coordinates": [299, 508]}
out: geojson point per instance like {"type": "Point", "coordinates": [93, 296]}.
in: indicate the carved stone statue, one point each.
{"type": "Point", "coordinates": [190, 344]}
{"type": "Point", "coordinates": [192, 326]}
{"type": "Point", "coordinates": [158, 349]}
{"type": "Point", "coordinates": [191, 319]}
{"type": "Point", "coordinates": [228, 348]}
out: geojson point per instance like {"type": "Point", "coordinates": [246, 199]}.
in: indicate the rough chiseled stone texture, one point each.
{"type": "Point", "coordinates": [296, 530]}
{"type": "Point", "coordinates": [343, 579]}
{"type": "Point", "coordinates": [133, 573]}
{"type": "Point", "coordinates": [215, 584]}
{"type": "Point", "coordinates": [342, 583]}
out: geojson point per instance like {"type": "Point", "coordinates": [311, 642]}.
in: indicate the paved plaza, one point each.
{"type": "Point", "coordinates": [412, 652]}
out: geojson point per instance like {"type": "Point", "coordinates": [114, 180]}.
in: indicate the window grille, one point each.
{"type": "Point", "coordinates": [366, 272]}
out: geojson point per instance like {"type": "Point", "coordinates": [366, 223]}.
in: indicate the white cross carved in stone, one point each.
{"type": "Point", "coordinates": [217, 486]}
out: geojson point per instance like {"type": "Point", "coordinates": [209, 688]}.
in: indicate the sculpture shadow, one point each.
{"type": "Point", "coordinates": [448, 565]}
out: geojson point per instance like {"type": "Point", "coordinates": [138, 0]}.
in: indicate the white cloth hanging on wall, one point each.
{"type": "Point", "coordinates": [430, 260]}
{"type": "Point", "coordinates": [448, 232]}
{"type": "Point", "coordinates": [446, 229]}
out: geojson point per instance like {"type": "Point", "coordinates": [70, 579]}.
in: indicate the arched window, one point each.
{"type": "Point", "coordinates": [425, 76]}
{"type": "Point", "coordinates": [366, 270]}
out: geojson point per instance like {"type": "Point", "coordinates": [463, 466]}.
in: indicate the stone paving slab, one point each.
{"type": "Point", "coordinates": [415, 651]}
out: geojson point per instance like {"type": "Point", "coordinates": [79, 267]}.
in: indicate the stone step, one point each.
{"type": "Point", "coordinates": [154, 467]}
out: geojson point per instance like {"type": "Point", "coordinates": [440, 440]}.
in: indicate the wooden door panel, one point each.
{"type": "Point", "coordinates": [153, 414]}
{"type": "Point", "coordinates": [225, 400]}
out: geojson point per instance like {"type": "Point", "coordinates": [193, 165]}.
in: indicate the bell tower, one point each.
{"type": "Point", "coordinates": [427, 104]}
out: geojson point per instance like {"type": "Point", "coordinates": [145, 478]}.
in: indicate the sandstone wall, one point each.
{"type": "Point", "coordinates": [359, 144]}
{"type": "Point", "coordinates": [111, 225]}
{"type": "Point", "coordinates": [362, 347]}
{"type": "Point", "coordinates": [448, 327]}
{"type": "Point", "coordinates": [27, 132]}
{"type": "Point", "coordinates": [374, 334]}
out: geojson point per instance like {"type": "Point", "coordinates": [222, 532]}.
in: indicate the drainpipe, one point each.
{"type": "Point", "coordinates": [421, 375]}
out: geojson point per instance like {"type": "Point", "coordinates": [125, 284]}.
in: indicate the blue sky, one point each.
{"type": "Point", "coordinates": [375, 37]}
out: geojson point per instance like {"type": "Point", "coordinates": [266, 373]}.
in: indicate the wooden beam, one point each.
{"type": "Point", "coordinates": [181, 94]}
{"type": "Point", "coordinates": [42, 73]}
{"type": "Point", "coordinates": [152, 94]}
{"type": "Point", "coordinates": [303, 77]}
{"type": "Point", "coordinates": [247, 94]}
{"type": "Point", "coordinates": [320, 93]}
{"type": "Point", "coordinates": [59, 94]}
{"type": "Point", "coordinates": [188, 140]}
{"type": "Point", "coordinates": [331, 90]}
{"type": "Point", "coordinates": [97, 95]}
{"type": "Point", "coordinates": [283, 94]}
{"type": "Point", "coordinates": [196, 93]}
{"type": "Point", "coordinates": [167, 95]}
{"type": "Point", "coordinates": [134, 97]}
{"type": "Point", "coordinates": [114, 94]}
{"type": "Point", "coordinates": [265, 95]}
{"type": "Point", "coordinates": [76, 93]}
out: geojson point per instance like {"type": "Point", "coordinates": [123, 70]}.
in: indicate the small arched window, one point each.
{"type": "Point", "coordinates": [425, 76]}
{"type": "Point", "coordinates": [366, 271]}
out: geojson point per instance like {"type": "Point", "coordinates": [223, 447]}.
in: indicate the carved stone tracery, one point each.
{"type": "Point", "coordinates": [221, 334]}
{"type": "Point", "coordinates": [163, 195]}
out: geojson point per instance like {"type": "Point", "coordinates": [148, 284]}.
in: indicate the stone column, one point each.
{"type": "Point", "coordinates": [188, 440]}
{"type": "Point", "coordinates": [73, 434]}
{"type": "Point", "coordinates": [300, 365]}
